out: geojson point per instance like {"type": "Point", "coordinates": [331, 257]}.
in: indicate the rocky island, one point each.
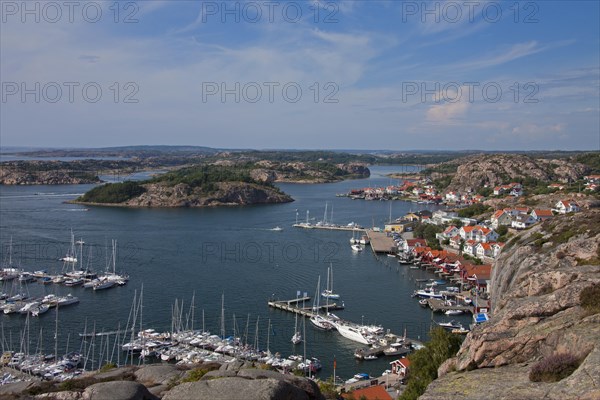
{"type": "Point", "coordinates": [200, 186]}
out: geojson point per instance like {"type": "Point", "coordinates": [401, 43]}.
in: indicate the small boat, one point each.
{"type": "Point", "coordinates": [413, 267]}
{"type": "Point", "coordinates": [460, 331]}
{"type": "Point", "coordinates": [423, 302]}
{"type": "Point", "coordinates": [329, 294]}
{"type": "Point", "coordinates": [454, 312]}
{"type": "Point", "coordinates": [450, 325]}
{"type": "Point", "coordinates": [370, 357]}
{"type": "Point", "coordinates": [356, 247]}
{"type": "Point", "coordinates": [277, 229]}
{"type": "Point", "coordinates": [321, 322]}
{"type": "Point", "coordinates": [391, 255]}
{"type": "Point", "coordinates": [396, 349]}
{"type": "Point", "coordinates": [106, 284]}
{"type": "Point", "coordinates": [297, 338]}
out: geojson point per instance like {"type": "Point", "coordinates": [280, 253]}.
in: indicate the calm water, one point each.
{"type": "Point", "coordinates": [210, 252]}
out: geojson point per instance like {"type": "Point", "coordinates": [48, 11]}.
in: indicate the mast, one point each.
{"type": "Point", "coordinates": [223, 316]}
{"type": "Point", "coordinates": [325, 215]}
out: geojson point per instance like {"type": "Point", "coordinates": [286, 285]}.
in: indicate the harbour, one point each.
{"type": "Point", "coordinates": [236, 252]}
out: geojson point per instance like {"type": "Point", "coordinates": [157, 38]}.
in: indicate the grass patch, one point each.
{"type": "Point", "coordinates": [589, 299]}
{"type": "Point", "coordinates": [554, 368]}
{"type": "Point", "coordinates": [195, 375]}
{"type": "Point", "coordinates": [108, 366]}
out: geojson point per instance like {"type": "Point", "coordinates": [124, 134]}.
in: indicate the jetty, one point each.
{"type": "Point", "coordinates": [439, 305]}
{"type": "Point", "coordinates": [381, 242]}
{"type": "Point", "coordinates": [287, 305]}
{"type": "Point", "coordinates": [329, 227]}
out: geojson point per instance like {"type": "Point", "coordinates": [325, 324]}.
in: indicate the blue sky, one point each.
{"type": "Point", "coordinates": [362, 67]}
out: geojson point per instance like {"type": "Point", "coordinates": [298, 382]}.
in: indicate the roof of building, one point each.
{"type": "Point", "coordinates": [543, 212]}
{"type": "Point", "coordinates": [369, 393]}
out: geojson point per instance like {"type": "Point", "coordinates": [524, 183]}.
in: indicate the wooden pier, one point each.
{"type": "Point", "coordinates": [381, 242]}
{"type": "Point", "coordinates": [308, 312]}
{"type": "Point", "coordinates": [329, 227]}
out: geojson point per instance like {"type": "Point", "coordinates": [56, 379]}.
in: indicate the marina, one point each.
{"type": "Point", "coordinates": [156, 255]}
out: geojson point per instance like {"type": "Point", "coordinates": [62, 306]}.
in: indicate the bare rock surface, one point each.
{"type": "Point", "coordinates": [535, 285]}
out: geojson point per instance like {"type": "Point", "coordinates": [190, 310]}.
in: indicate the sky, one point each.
{"type": "Point", "coordinates": [396, 75]}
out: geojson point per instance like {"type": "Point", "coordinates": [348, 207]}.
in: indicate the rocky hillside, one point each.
{"type": "Point", "coordinates": [537, 314]}
{"type": "Point", "coordinates": [183, 195]}
{"type": "Point", "coordinates": [302, 172]}
{"type": "Point", "coordinates": [44, 173]}
{"type": "Point", "coordinates": [474, 172]}
{"type": "Point", "coordinates": [229, 381]}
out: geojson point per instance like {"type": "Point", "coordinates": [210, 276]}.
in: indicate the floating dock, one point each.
{"type": "Point", "coordinates": [286, 305]}
{"type": "Point", "coordinates": [329, 227]}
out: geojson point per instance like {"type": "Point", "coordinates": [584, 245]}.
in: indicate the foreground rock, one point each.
{"type": "Point", "coordinates": [536, 285]}
{"type": "Point", "coordinates": [228, 381]}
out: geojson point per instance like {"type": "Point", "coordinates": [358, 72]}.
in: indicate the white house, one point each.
{"type": "Point", "coordinates": [470, 247]}
{"type": "Point", "coordinates": [452, 196]}
{"type": "Point", "coordinates": [497, 248]}
{"type": "Point", "coordinates": [542, 214]}
{"type": "Point", "coordinates": [499, 218]}
{"type": "Point", "coordinates": [523, 221]}
{"type": "Point", "coordinates": [484, 250]}
{"type": "Point", "coordinates": [567, 206]}
{"type": "Point", "coordinates": [448, 233]}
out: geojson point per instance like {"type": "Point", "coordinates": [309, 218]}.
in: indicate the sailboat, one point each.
{"type": "Point", "coordinates": [317, 319]}
{"type": "Point", "coordinates": [9, 273]}
{"type": "Point", "coordinates": [297, 338]}
{"type": "Point", "coordinates": [328, 292]}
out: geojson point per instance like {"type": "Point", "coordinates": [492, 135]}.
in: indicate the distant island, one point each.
{"type": "Point", "coordinates": [199, 186]}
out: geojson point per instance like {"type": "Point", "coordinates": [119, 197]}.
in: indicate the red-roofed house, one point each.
{"type": "Point", "coordinates": [484, 250]}
{"type": "Point", "coordinates": [376, 392]}
{"type": "Point", "coordinates": [567, 206]}
{"type": "Point", "coordinates": [455, 241]}
{"type": "Point", "coordinates": [448, 233]}
{"type": "Point", "coordinates": [470, 247]}
{"type": "Point", "coordinates": [499, 218]}
{"type": "Point", "coordinates": [400, 366]}
{"type": "Point", "coordinates": [497, 248]}
{"type": "Point", "coordinates": [542, 214]}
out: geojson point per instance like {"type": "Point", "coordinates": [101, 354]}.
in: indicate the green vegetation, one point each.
{"type": "Point", "coordinates": [113, 193]}
{"type": "Point", "coordinates": [425, 362]}
{"type": "Point", "coordinates": [427, 232]}
{"type": "Point", "coordinates": [554, 368]}
{"type": "Point", "coordinates": [195, 375]}
{"type": "Point", "coordinates": [475, 260]}
{"type": "Point", "coordinates": [108, 366]}
{"type": "Point", "coordinates": [206, 176]}
{"type": "Point", "coordinates": [590, 299]}
{"type": "Point", "coordinates": [591, 160]}
{"type": "Point", "coordinates": [443, 182]}
{"type": "Point", "coordinates": [328, 389]}
{"type": "Point", "coordinates": [472, 210]}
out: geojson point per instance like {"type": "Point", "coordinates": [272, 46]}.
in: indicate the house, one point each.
{"type": "Point", "coordinates": [542, 214]}
{"type": "Point", "coordinates": [400, 367]}
{"type": "Point", "coordinates": [478, 198]}
{"type": "Point", "coordinates": [452, 196]}
{"type": "Point", "coordinates": [499, 190]}
{"type": "Point", "coordinates": [556, 186]}
{"type": "Point", "coordinates": [566, 206]}
{"type": "Point", "coordinates": [410, 244]}
{"type": "Point", "coordinates": [484, 250]}
{"type": "Point", "coordinates": [500, 218]}
{"type": "Point", "coordinates": [448, 233]}
{"type": "Point", "coordinates": [477, 275]}
{"type": "Point", "coordinates": [523, 221]}
{"type": "Point", "coordinates": [478, 233]}
{"type": "Point", "coordinates": [497, 248]}
{"type": "Point", "coordinates": [455, 241]}
{"type": "Point", "coordinates": [470, 247]}
{"type": "Point", "coordinates": [411, 217]}
{"type": "Point", "coordinates": [375, 392]}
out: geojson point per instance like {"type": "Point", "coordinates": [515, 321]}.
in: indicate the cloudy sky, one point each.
{"type": "Point", "coordinates": [318, 75]}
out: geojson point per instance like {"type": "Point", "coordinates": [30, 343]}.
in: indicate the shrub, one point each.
{"type": "Point", "coordinates": [108, 366]}
{"type": "Point", "coordinates": [195, 375]}
{"type": "Point", "coordinates": [425, 362]}
{"type": "Point", "coordinates": [554, 368]}
{"type": "Point", "coordinates": [113, 193]}
{"type": "Point", "coordinates": [590, 299]}
{"type": "Point", "coordinates": [328, 389]}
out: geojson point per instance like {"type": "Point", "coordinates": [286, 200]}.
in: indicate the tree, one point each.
{"type": "Point", "coordinates": [425, 362]}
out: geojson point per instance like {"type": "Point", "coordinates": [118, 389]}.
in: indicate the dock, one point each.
{"type": "Point", "coordinates": [286, 305]}
{"type": "Point", "coordinates": [381, 242]}
{"type": "Point", "coordinates": [304, 225]}
{"type": "Point", "coordinates": [437, 305]}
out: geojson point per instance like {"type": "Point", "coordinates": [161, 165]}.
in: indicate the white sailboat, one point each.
{"type": "Point", "coordinates": [318, 320]}
{"type": "Point", "coordinates": [328, 292]}
{"type": "Point", "coordinates": [297, 338]}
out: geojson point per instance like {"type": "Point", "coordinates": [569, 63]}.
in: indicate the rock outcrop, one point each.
{"type": "Point", "coordinates": [230, 381]}
{"type": "Point", "coordinates": [474, 172]}
{"type": "Point", "coordinates": [10, 176]}
{"type": "Point", "coordinates": [536, 286]}
{"type": "Point", "coordinates": [223, 194]}
{"type": "Point", "coordinates": [303, 172]}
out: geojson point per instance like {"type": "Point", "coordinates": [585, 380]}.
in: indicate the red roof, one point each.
{"type": "Point", "coordinates": [468, 228]}
{"type": "Point", "coordinates": [416, 242]}
{"type": "Point", "coordinates": [482, 271]}
{"type": "Point", "coordinates": [376, 392]}
{"type": "Point", "coordinates": [449, 229]}
{"type": "Point", "coordinates": [405, 362]}
{"type": "Point", "coordinates": [544, 213]}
